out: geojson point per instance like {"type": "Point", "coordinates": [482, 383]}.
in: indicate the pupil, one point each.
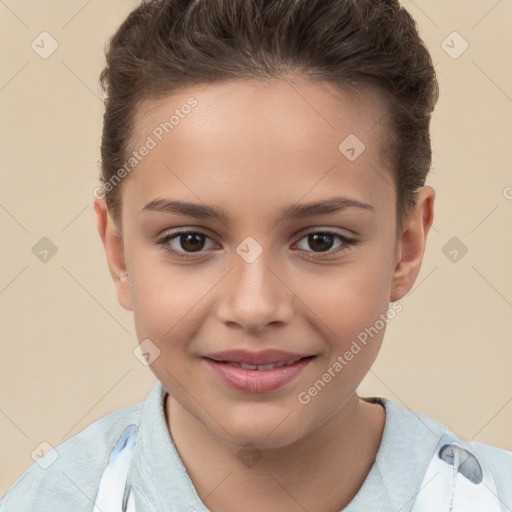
{"type": "Point", "coordinates": [192, 239]}
{"type": "Point", "coordinates": [316, 239]}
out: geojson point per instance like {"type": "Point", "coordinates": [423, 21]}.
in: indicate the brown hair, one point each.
{"type": "Point", "coordinates": [166, 45]}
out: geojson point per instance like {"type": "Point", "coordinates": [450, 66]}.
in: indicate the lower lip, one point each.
{"type": "Point", "coordinates": [257, 381]}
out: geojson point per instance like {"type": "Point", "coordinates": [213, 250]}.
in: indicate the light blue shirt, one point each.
{"type": "Point", "coordinates": [161, 484]}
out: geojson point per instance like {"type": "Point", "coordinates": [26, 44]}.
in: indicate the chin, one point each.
{"type": "Point", "coordinates": [262, 434]}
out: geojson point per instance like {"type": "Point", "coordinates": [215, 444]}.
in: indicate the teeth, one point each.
{"type": "Point", "coordinates": [245, 366]}
{"type": "Point", "coordinates": [270, 366]}
{"type": "Point", "coordinates": [248, 366]}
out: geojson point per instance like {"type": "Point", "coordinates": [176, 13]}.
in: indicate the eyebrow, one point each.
{"type": "Point", "coordinates": [295, 211]}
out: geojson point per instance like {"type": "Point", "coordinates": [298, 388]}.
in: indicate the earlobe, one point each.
{"type": "Point", "coordinates": [411, 245]}
{"type": "Point", "coordinates": [114, 250]}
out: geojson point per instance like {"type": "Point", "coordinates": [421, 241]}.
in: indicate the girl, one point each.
{"type": "Point", "coordinates": [263, 210]}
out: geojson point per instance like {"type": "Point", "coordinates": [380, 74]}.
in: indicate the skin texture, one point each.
{"type": "Point", "coordinates": [254, 148]}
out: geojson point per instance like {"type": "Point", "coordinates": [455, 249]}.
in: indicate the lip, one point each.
{"type": "Point", "coordinates": [263, 357]}
{"type": "Point", "coordinates": [257, 381]}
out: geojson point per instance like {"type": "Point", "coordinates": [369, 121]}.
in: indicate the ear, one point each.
{"type": "Point", "coordinates": [411, 246]}
{"type": "Point", "coordinates": [114, 249]}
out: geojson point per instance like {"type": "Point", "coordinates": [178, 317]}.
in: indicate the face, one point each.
{"type": "Point", "coordinates": [307, 281]}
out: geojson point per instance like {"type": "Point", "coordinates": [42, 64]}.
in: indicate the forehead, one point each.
{"type": "Point", "coordinates": [261, 139]}
{"type": "Point", "coordinates": [262, 107]}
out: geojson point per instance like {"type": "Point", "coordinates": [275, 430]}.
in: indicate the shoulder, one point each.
{"type": "Point", "coordinates": [66, 477]}
{"type": "Point", "coordinates": [499, 461]}
{"type": "Point", "coordinates": [423, 434]}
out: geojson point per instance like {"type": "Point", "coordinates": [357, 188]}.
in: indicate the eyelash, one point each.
{"type": "Point", "coordinates": [348, 243]}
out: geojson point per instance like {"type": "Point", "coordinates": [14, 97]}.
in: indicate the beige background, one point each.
{"type": "Point", "coordinates": [67, 345]}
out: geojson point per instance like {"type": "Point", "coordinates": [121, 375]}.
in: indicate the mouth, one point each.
{"type": "Point", "coordinates": [261, 367]}
{"type": "Point", "coordinates": [252, 378]}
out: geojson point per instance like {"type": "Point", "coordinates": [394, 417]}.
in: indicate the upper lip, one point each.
{"type": "Point", "coordinates": [256, 358]}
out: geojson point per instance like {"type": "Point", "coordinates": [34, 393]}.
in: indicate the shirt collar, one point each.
{"type": "Point", "coordinates": [158, 476]}
{"type": "Point", "coordinates": [409, 440]}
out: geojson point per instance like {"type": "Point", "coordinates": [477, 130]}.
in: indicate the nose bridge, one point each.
{"type": "Point", "coordinates": [254, 294]}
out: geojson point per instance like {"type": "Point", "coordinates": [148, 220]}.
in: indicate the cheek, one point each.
{"type": "Point", "coordinates": [168, 301]}
{"type": "Point", "coordinates": [349, 299]}
{"type": "Point", "coordinates": [349, 307]}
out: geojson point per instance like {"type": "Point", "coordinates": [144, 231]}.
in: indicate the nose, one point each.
{"type": "Point", "coordinates": [255, 295]}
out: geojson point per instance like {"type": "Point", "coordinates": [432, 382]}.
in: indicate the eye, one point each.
{"type": "Point", "coordinates": [184, 243]}
{"type": "Point", "coordinates": [322, 241]}
{"type": "Point", "coordinates": [191, 244]}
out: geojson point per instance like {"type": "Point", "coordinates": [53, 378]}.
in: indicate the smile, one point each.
{"type": "Point", "coordinates": [252, 378]}
{"type": "Point", "coordinates": [246, 366]}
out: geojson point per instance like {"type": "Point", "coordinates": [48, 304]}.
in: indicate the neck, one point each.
{"type": "Point", "coordinates": [322, 471]}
